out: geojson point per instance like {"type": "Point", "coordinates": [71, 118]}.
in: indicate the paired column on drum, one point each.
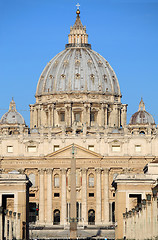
{"type": "Point", "coordinates": [84, 195]}
{"type": "Point", "coordinates": [63, 196]}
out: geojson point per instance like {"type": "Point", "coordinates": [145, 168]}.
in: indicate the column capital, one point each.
{"type": "Point", "coordinates": [49, 170]}
{"type": "Point", "coordinates": [63, 170]}
{"type": "Point", "coordinates": [98, 170]}
{"type": "Point", "coordinates": [84, 170]}
{"type": "Point", "coordinates": [41, 170]}
{"type": "Point", "coordinates": [14, 214]}
{"type": "Point", "coordinates": [10, 213]}
{"type": "Point", "coordinates": [106, 170]}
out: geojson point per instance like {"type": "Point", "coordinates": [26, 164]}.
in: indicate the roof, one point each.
{"type": "Point", "coordinates": [142, 116]}
{"type": "Point", "coordinates": [12, 116]}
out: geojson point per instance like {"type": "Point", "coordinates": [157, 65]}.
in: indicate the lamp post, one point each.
{"type": "Point", "coordinates": [73, 219]}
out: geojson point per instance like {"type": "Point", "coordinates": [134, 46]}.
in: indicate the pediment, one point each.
{"type": "Point", "coordinates": [79, 152]}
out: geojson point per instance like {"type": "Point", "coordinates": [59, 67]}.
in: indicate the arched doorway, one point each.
{"type": "Point", "coordinates": [56, 217]}
{"type": "Point", "coordinates": [91, 217]}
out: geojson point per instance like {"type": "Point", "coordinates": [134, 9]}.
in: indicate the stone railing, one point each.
{"type": "Point", "coordinates": [10, 225]}
{"type": "Point", "coordinates": [142, 221]}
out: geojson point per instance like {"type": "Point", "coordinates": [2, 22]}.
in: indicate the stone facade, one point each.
{"type": "Point", "coordinates": [137, 204]}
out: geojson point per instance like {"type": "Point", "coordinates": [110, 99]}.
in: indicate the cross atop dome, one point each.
{"type": "Point", "coordinates": [78, 9]}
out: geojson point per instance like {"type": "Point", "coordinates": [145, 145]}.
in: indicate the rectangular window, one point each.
{"type": "Point", "coordinates": [138, 148]}
{"type": "Point", "coordinates": [32, 195]}
{"type": "Point", "coordinates": [77, 117]}
{"type": "Point", "coordinates": [31, 149]}
{"type": "Point", "coordinates": [56, 195]}
{"type": "Point", "coordinates": [62, 117]}
{"type": "Point", "coordinates": [10, 149]}
{"type": "Point", "coordinates": [91, 147]}
{"type": "Point", "coordinates": [56, 148]}
{"type": "Point", "coordinates": [91, 194]}
{"type": "Point", "coordinates": [116, 148]}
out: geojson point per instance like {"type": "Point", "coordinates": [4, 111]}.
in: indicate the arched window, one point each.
{"type": "Point", "coordinates": [91, 217]}
{"type": "Point", "coordinates": [56, 217]}
{"type": "Point", "coordinates": [32, 179]}
{"type": "Point", "coordinates": [142, 133]}
{"type": "Point", "coordinates": [56, 180]}
{"type": "Point", "coordinates": [91, 180]}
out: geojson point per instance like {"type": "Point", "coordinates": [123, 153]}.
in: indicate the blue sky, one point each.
{"type": "Point", "coordinates": [125, 32]}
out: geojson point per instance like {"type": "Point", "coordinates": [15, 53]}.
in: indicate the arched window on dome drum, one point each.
{"type": "Point", "coordinates": [32, 179]}
{"type": "Point", "coordinates": [62, 116]}
{"type": "Point", "coordinates": [92, 117]}
{"type": "Point", "coordinates": [56, 180]}
{"type": "Point", "coordinates": [91, 180]}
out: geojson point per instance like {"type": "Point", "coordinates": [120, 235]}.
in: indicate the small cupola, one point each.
{"type": "Point", "coordinates": [141, 116]}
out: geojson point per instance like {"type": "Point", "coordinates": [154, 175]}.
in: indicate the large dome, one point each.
{"type": "Point", "coordinates": [78, 69]}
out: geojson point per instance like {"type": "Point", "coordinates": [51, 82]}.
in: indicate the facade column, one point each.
{"type": "Point", "coordinates": [14, 225]}
{"type": "Point", "coordinates": [49, 196]}
{"type": "Point", "coordinates": [10, 225]}
{"type": "Point", "coordinates": [1, 223]}
{"type": "Point", "coordinates": [18, 226]}
{"type": "Point", "coordinates": [98, 196]}
{"type": "Point", "coordinates": [63, 196]}
{"type": "Point", "coordinates": [41, 197]}
{"type": "Point", "coordinates": [6, 223]}
{"type": "Point", "coordinates": [84, 195]}
{"type": "Point", "coordinates": [106, 196]}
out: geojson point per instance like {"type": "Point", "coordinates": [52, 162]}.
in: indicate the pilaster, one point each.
{"type": "Point", "coordinates": [106, 195]}
{"type": "Point", "coordinates": [84, 195]}
{"type": "Point", "coordinates": [41, 197]}
{"type": "Point", "coordinates": [63, 195]}
{"type": "Point", "coordinates": [49, 196]}
{"type": "Point", "coordinates": [98, 196]}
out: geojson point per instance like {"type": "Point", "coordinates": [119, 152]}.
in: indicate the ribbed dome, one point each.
{"type": "Point", "coordinates": [78, 68]}
{"type": "Point", "coordinates": [12, 116]}
{"type": "Point", "coordinates": [142, 116]}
